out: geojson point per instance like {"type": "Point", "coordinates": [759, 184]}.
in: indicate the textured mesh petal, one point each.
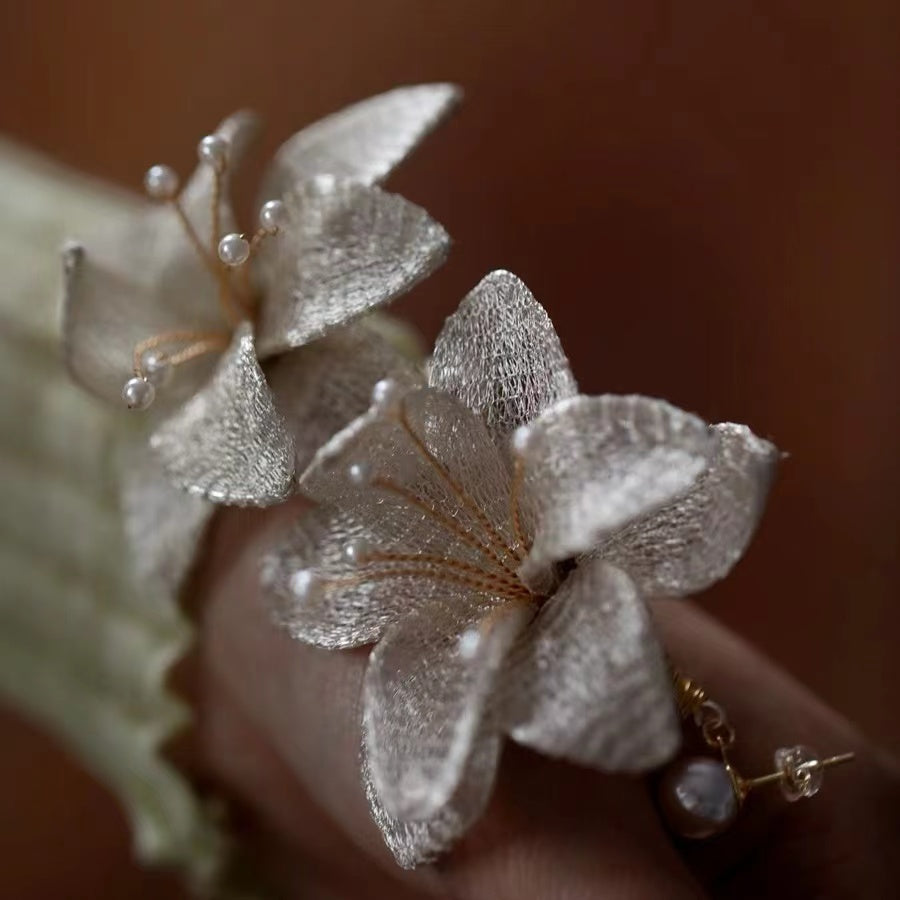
{"type": "Point", "coordinates": [589, 682]}
{"type": "Point", "coordinates": [163, 525]}
{"type": "Point", "coordinates": [348, 607]}
{"type": "Point", "coordinates": [228, 443]}
{"type": "Point", "coordinates": [363, 142]}
{"type": "Point", "coordinates": [427, 687]}
{"type": "Point", "coordinates": [435, 479]}
{"type": "Point", "coordinates": [694, 541]}
{"type": "Point", "coordinates": [411, 525]}
{"type": "Point", "coordinates": [346, 248]}
{"type": "Point", "coordinates": [499, 354]}
{"type": "Point", "coordinates": [593, 464]}
{"type": "Point", "coordinates": [139, 277]}
{"type": "Point", "coordinates": [322, 387]}
{"type": "Point", "coordinates": [415, 843]}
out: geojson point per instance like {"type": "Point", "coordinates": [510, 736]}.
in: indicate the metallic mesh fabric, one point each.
{"type": "Point", "coordinates": [228, 443]}
{"type": "Point", "coordinates": [364, 142]}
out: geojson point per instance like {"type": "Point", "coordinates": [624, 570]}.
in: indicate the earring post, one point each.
{"type": "Point", "coordinates": [749, 784]}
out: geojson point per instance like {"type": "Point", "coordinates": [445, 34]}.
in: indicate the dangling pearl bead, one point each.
{"type": "Point", "coordinates": [156, 368]}
{"type": "Point", "coordinates": [697, 798]}
{"type": "Point", "coordinates": [161, 182]}
{"type": "Point", "coordinates": [138, 393]}
{"type": "Point", "coordinates": [386, 395]}
{"type": "Point", "coordinates": [272, 215]}
{"type": "Point", "coordinates": [234, 250]}
{"type": "Point", "coordinates": [213, 150]}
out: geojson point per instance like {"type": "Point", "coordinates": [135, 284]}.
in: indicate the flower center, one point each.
{"type": "Point", "coordinates": [227, 257]}
{"type": "Point", "coordinates": [499, 549]}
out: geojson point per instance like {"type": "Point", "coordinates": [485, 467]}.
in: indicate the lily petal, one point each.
{"type": "Point", "coordinates": [140, 277]}
{"type": "Point", "coordinates": [414, 843]}
{"type": "Point", "coordinates": [431, 465]}
{"type": "Point", "coordinates": [594, 464]}
{"type": "Point", "coordinates": [428, 684]}
{"type": "Point", "coordinates": [323, 594]}
{"type": "Point", "coordinates": [500, 355]}
{"type": "Point", "coordinates": [321, 388]}
{"type": "Point", "coordinates": [345, 249]}
{"type": "Point", "coordinates": [364, 142]}
{"type": "Point", "coordinates": [228, 443]}
{"type": "Point", "coordinates": [696, 540]}
{"type": "Point", "coordinates": [107, 312]}
{"type": "Point", "coordinates": [589, 681]}
{"type": "Point", "coordinates": [164, 525]}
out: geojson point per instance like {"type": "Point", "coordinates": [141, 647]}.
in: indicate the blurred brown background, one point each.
{"type": "Point", "coordinates": [704, 195]}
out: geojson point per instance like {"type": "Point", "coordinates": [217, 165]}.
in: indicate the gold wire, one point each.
{"type": "Point", "coordinates": [494, 537]}
{"type": "Point", "coordinates": [174, 337]}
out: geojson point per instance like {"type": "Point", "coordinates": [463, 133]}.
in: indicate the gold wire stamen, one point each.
{"type": "Point", "coordinates": [229, 305]}
{"type": "Point", "coordinates": [211, 340]}
{"type": "Point", "coordinates": [246, 289]}
{"type": "Point", "coordinates": [440, 562]}
{"type": "Point", "coordinates": [442, 519]}
{"type": "Point", "coordinates": [491, 533]}
{"type": "Point", "coordinates": [486, 584]}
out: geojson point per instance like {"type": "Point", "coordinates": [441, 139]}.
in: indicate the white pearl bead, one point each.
{"type": "Point", "coordinates": [272, 215]}
{"type": "Point", "coordinates": [386, 395]}
{"type": "Point", "coordinates": [469, 642]}
{"type": "Point", "coordinates": [697, 797]}
{"type": "Point", "coordinates": [520, 439]}
{"type": "Point", "coordinates": [161, 182]}
{"type": "Point", "coordinates": [213, 150]}
{"type": "Point", "coordinates": [359, 473]}
{"type": "Point", "coordinates": [234, 250]}
{"type": "Point", "coordinates": [156, 368]}
{"type": "Point", "coordinates": [355, 552]}
{"type": "Point", "coordinates": [138, 393]}
{"type": "Point", "coordinates": [304, 584]}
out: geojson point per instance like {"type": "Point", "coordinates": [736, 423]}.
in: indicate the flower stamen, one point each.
{"type": "Point", "coordinates": [495, 538]}
{"type": "Point", "coordinates": [487, 584]}
{"type": "Point", "coordinates": [442, 519]}
{"type": "Point", "coordinates": [199, 342]}
{"type": "Point", "coordinates": [382, 556]}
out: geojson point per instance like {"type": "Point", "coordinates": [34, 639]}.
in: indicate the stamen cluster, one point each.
{"type": "Point", "coordinates": [157, 356]}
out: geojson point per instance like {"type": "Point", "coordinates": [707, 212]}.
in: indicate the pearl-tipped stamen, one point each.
{"type": "Point", "coordinates": [138, 393]}
{"type": "Point", "coordinates": [469, 642]}
{"type": "Point", "coordinates": [355, 552]}
{"type": "Point", "coordinates": [520, 439]}
{"type": "Point", "coordinates": [156, 368]}
{"type": "Point", "coordinates": [213, 150]}
{"type": "Point", "coordinates": [359, 473]}
{"type": "Point", "coordinates": [272, 216]}
{"type": "Point", "coordinates": [386, 396]}
{"type": "Point", "coordinates": [304, 584]}
{"type": "Point", "coordinates": [234, 250]}
{"type": "Point", "coordinates": [161, 182]}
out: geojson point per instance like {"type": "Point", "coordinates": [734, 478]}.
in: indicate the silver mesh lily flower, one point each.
{"type": "Point", "coordinates": [175, 306]}
{"type": "Point", "coordinates": [494, 534]}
